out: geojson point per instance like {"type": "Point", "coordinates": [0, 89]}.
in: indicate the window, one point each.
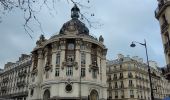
{"type": "Point", "coordinates": [116, 85]}
{"type": "Point", "coordinates": [121, 75]}
{"type": "Point", "coordinates": [57, 72]}
{"type": "Point", "coordinates": [120, 66]}
{"type": "Point", "coordinates": [32, 92]}
{"type": "Point", "coordinates": [129, 66]}
{"type": "Point", "coordinates": [94, 54]}
{"type": "Point", "coordinates": [122, 85]}
{"type": "Point", "coordinates": [130, 83]}
{"type": "Point", "coordinates": [94, 73]}
{"type": "Point", "coordinates": [58, 59]}
{"type": "Point", "coordinates": [83, 72]}
{"type": "Point", "coordinates": [115, 76]}
{"type": "Point", "coordinates": [114, 67]}
{"type": "Point", "coordinates": [69, 71]}
{"type": "Point", "coordinates": [122, 93]}
{"type": "Point", "coordinates": [83, 58]}
{"type": "Point", "coordinates": [131, 94]}
{"type": "Point", "coordinates": [116, 94]}
{"type": "Point", "coordinates": [130, 75]}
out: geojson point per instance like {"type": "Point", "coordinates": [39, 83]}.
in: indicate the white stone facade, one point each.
{"type": "Point", "coordinates": [128, 79]}
{"type": "Point", "coordinates": [14, 79]}
{"type": "Point", "coordinates": [70, 65]}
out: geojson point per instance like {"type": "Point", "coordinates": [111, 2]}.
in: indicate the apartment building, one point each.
{"type": "Point", "coordinates": [127, 79]}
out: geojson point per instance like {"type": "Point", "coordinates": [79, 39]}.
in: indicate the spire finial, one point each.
{"type": "Point", "coordinates": [75, 12]}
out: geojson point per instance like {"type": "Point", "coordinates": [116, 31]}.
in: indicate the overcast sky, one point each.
{"type": "Point", "coordinates": [123, 21]}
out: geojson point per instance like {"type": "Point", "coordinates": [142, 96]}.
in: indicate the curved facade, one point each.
{"type": "Point", "coordinates": [70, 65]}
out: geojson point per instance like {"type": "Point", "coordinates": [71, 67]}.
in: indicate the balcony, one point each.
{"type": "Point", "coordinates": [130, 75]}
{"type": "Point", "coordinates": [21, 84]}
{"type": "Point", "coordinates": [131, 85]}
{"type": "Point", "coordinates": [22, 74]}
{"type": "Point", "coordinates": [121, 77]}
{"type": "Point", "coordinates": [161, 6]}
{"type": "Point", "coordinates": [167, 47]}
{"type": "Point", "coordinates": [5, 80]}
{"type": "Point", "coordinates": [114, 78]}
{"type": "Point", "coordinates": [4, 88]}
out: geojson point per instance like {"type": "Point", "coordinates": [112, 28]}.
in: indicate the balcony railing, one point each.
{"type": "Point", "coordinates": [166, 46]}
{"type": "Point", "coordinates": [5, 80]}
{"type": "Point", "coordinates": [131, 85]}
{"type": "Point", "coordinates": [22, 74]}
{"type": "Point", "coordinates": [130, 75]}
{"type": "Point", "coordinates": [120, 77]}
{"type": "Point", "coordinates": [4, 88]}
{"type": "Point", "coordinates": [162, 4]}
{"type": "Point", "coordinates": [21, 84]}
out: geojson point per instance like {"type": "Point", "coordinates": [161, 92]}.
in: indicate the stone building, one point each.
{"type": "Point", "coordinates": [162, 14]}
{"type": "Point", "coordinates": [128, 79]}
{"type": "Point", "coordinates": [70, 65]}
{"type": "Point", "coordinates": [14, 79]}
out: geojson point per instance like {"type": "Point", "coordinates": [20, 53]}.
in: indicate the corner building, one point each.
{"type": "Point", "coordinates": [162, 14]}
{"type": "Point", "coordinates": [128, 79]}
{"type": "Point", "coordinates": [70, 65]}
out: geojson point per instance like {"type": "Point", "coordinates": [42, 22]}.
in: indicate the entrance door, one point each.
{"type": "Point", "coordinates": [46, 95]}
{"type": "Point", "coordinates": [94, 95]}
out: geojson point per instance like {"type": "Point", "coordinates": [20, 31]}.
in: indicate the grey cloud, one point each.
{"type": "Point", "coordinates": [123, 21]}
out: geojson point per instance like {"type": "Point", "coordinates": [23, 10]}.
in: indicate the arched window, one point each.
{"type": "Point", "coordinates": [94, 95]}
{"type": "Point", "coordinates": [46, 95]}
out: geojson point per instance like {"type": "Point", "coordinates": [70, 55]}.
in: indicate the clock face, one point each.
{"type": "Point", "coordinates": [70, 46]}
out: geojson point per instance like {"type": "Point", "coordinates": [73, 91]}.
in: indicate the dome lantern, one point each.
{"type": "Point", "coordinates": [75, 12]}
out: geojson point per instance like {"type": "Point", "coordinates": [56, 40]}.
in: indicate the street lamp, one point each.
{"type": "Point", "coordinates": [149, 71]}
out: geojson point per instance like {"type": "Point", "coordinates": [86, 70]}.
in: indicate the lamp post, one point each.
{"type": "Point", "coordinates": [149, 71]}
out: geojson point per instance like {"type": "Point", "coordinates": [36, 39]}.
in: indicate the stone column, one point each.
{"type": "Point", "coordinates": [62, 56]}
{"type": "Point", "coordinates": [77, 68]}
{"type": "Point", "coordinates": [39, 77]}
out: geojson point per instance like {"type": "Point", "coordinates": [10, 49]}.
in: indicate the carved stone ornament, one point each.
{"type": "Point", "coordinates": [88, 45]}
{"type": "Point", "coordinates": [41, 40]}
{"type": "Point", "coordinates": [78, 41]}
{"type": "Point", "coordinates": [76, 65]}
{"type": "Point", "coordinates": [48, 67]}
{"type": "Point", "coordinates": [54, 45]}
{"type": "Point", "coordinates": [64, 64]}
{"type": "Point", "coordinates": [62, 42]}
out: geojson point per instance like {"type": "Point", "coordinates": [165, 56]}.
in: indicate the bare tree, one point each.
{"type": "Point", "coordinates": [30, 8]}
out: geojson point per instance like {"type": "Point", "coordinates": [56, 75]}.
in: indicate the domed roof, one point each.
{"type": "Point", "coordinates": [75, 24]}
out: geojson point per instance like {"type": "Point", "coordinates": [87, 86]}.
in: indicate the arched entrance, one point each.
{"type": "Point", "coordinates": [46, 95]}
{"type": "Point", "coordinates": [94, 95]}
